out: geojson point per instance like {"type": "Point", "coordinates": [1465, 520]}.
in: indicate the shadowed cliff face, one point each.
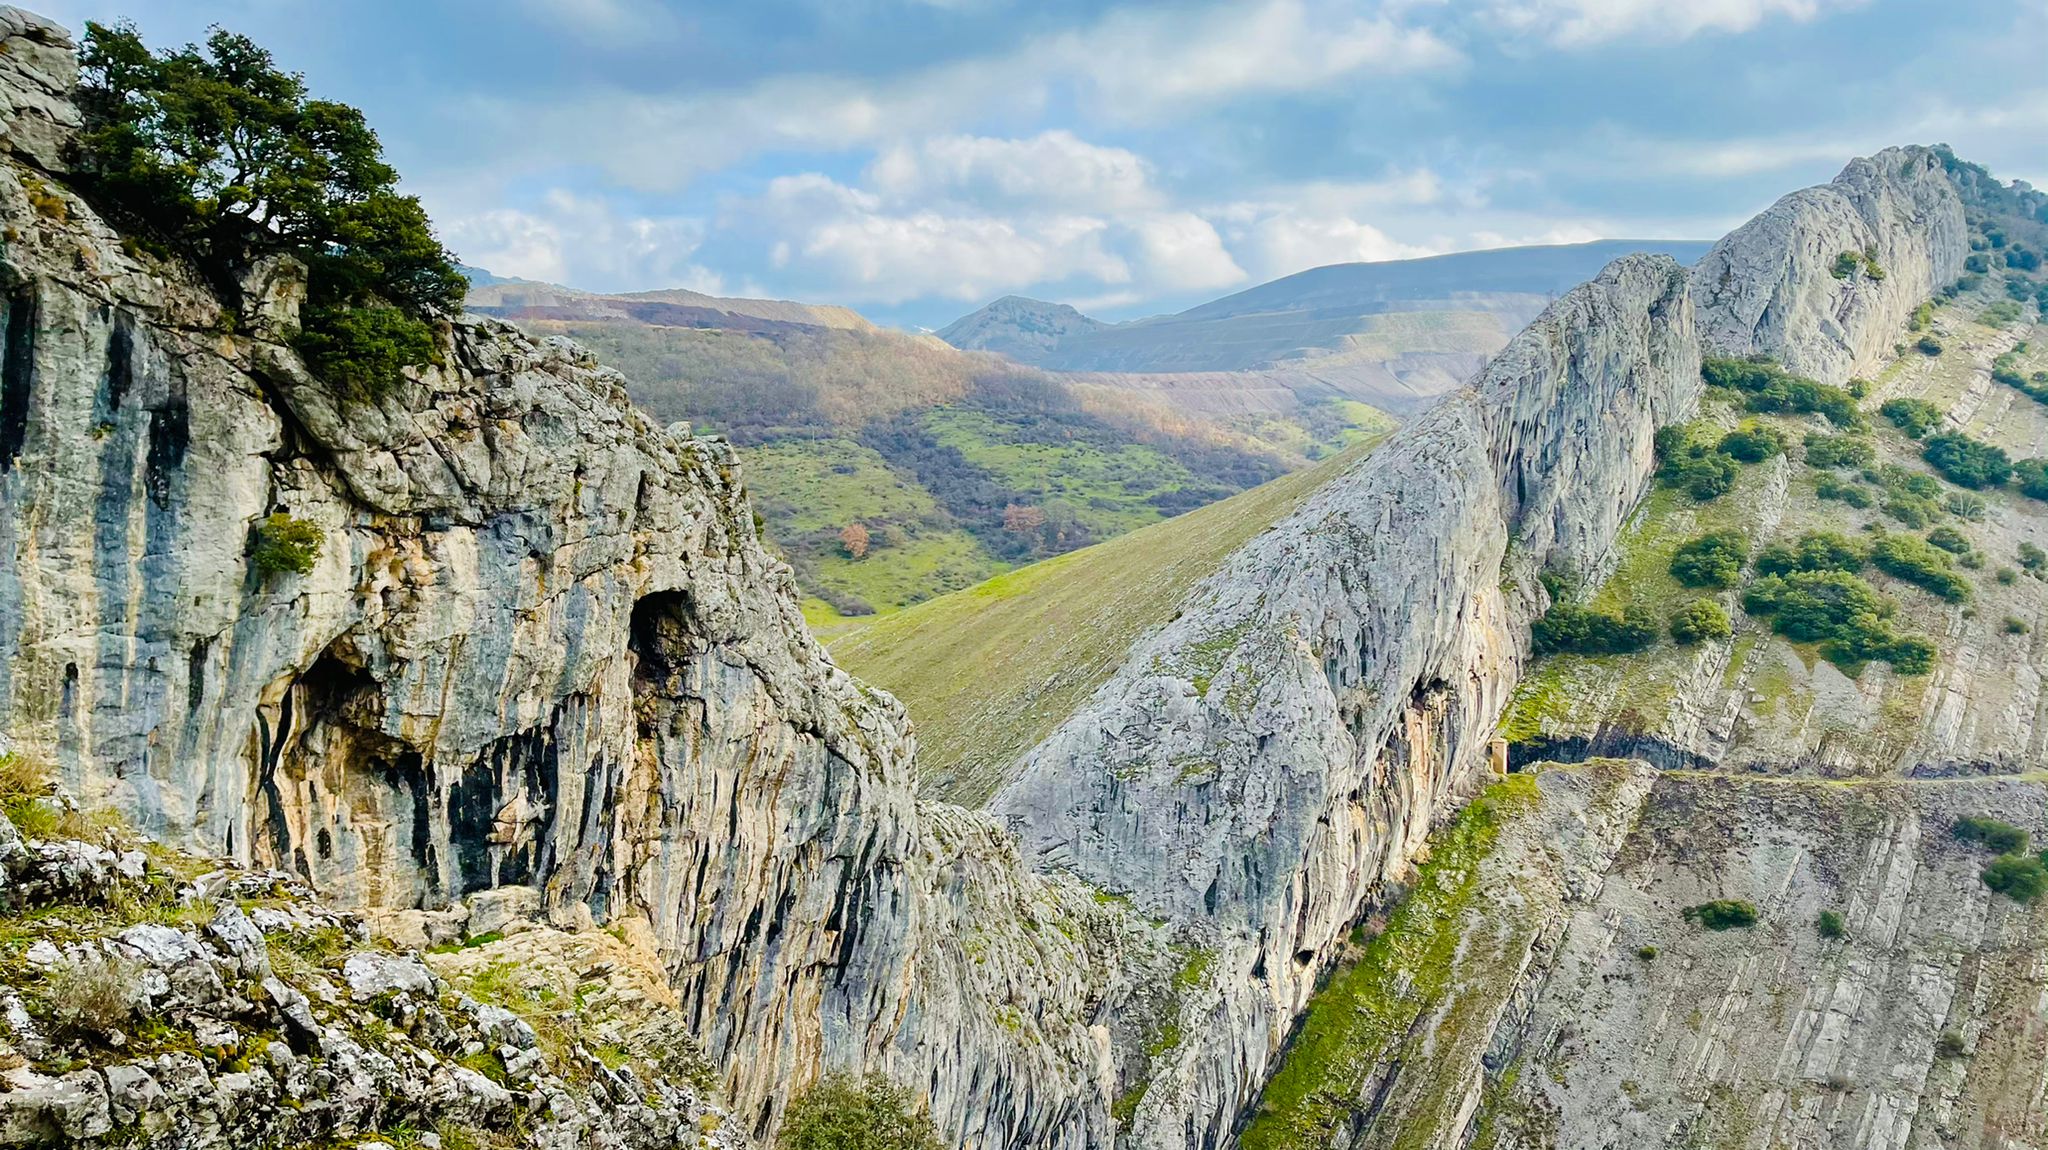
{"type": "Point", "coordinates": [542, 647]}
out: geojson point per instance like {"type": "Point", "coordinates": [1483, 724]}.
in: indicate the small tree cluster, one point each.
{"type": "Point", "coordinates": [1766, 387]}
{"type": "Point", "coordinates": [1700, 621]}
{"type": "Point", "coordinates": [1752, 443]}
{"type": "Point", "coordinates": [284, 544]}
{"type": "Point", "coordinates": [1567, 627]}
{"type": "Point", "coordinates": [1914, 417]}
{"type": "Point", "coordinates": [840, 1112]}
{"type": "Point", "coordinates": [1832, 451]}
{"type": "Point", "coordinates": [1920, 563]}
{"type": "Point", "coordinates": [1967, 462]}
{"type": "Point", "coordinates": [1722, 914]}
{"type": "Point", "coordinates": [1812, 551]}
{"type": "Point", "coordinates": [1846, 615]}
{"type": "Point", "coordinates": [1711, 560]}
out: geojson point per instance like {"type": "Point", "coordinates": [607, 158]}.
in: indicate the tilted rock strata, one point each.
{"type": "Point", "coordinates": [1770, 287]}
{"type": "Point", "coordinates": [1262, 765]}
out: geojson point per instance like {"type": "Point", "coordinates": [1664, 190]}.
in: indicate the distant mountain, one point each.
{"type": "Point", "coordinates": [1026, 330]}
{"type": "Point", "coordinates": [1394, 334]}
{"type": "Point", "coordinates": [674, 307]}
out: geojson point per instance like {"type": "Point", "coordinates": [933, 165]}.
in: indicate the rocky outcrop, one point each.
{"type": "Point", "coordinates": [541, 646]}
{"type": "Point", "coordinates": [1262, 765]}
{"type": "Point", "coordinates": [1774, 287]}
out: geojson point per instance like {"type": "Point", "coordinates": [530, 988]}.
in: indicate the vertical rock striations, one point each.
{"type": "Point", "coordinates": [1260, 766]}
{"type": "Point", "coordinates": [1773, 286]}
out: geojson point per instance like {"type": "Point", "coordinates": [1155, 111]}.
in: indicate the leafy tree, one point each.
{"type": "Point", "coordinates": [1567, 627]}
{"type": "Point", "coordinates": [1967, 462]}
{"type": "Point", "coordinates": [1830, 451]}
{"type": "Point", "coordinates": [1752, 443]}
{"type": "Point", "coordinates": [215, 155]}
{"type": "Point", "coordinates": [845, 1113]}
{"type": "Point", "coordinates": [2002, 837]}
{"type": "Point", "coordinates": [1915, 417]}
{"type": "Point", "coordinates": [1921, 563]}
{"type": "Point", "coordinates": [1712, 560]}
{"type": "Point", "coordinates": [2033, 477]}
{"type": "Point", "coordinates": [1950, 540]}
{"type": "Point", "coordinates": [1700, 620]}
{"type": "Point", "coordinates": [2020, 878]}
{"type": "Point", "coordinates": [1928, 345]}
{"type": "Point", "coordinates": [854, 538]}
{"type": "Point", "coordinates": [284, 544]}
{"type": "Point", "coordinates": [1830, 925]}
{"type": "Point", "coordinates": [1766, 387]}
{"type": "Point", "coordinates": [1845, 265]}
{"type": "Point", "coordinates": [1812, 551]}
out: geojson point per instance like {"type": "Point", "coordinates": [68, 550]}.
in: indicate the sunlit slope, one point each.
{"type": "Point", "coordinates": [989, 671]}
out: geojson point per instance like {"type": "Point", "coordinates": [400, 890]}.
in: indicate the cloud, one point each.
{"type": "Point", "coordinates": [1574, 23]}
{"type": "Point", "coordinates": [1282, 243]}
{"type": "Point", "coordinates": [1132, 65]}
{"type": "Point", "coordinates": [584, 242]}
{"type": "Point", "coordinates": [1054, 167]}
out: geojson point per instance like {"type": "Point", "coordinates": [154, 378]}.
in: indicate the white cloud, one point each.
{"type": "Point", "coordinates": [1580, 22]}
{"type": "Point", "coordinates": [1129, 66]}
{"type": "Point", "coordinates": [1181, 251]}
{"type": "Point", "coordinates": [1054, 167]}
{"type": "Point", "coordinates": [583, 242]}
{"type": "Point", "coordinates": [1283, 243]}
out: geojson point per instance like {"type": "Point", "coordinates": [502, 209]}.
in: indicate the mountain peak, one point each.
{"type": "Point", "coordinates": [1022, 328]}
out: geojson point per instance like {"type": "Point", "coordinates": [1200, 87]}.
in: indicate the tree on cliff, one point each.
{"type": "Point", "coordinates": [215, 155]}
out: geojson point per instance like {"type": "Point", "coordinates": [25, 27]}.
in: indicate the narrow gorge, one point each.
{"type": "Point", "coordinates": [543, 669]}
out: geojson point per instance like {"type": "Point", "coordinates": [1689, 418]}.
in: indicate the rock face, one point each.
{"type": "Point", "coordinates": [1262, 765]}
{"type": "Point", "coordinates": [1772, 286]}
{"type": "Point", "coordinates": [542, 648]}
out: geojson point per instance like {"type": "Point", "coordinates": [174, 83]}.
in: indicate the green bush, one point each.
{"type": "Point", "coordinates": [2020, 878]}
{"type": "Point", "coordinates": [1700, 620]}
{"type": "Point", "coordinates": [1928, 345]}
{"type": "Point", "coordinates": [1567, 627]}
{"type": "Point", "coordinates": [1812, 551]}
{"type": "Point", "coordinates": [1722, 914]}
{"type": "Point", "coordinates": [1712, 560]}
{"type": "Point", "coordinates": [1915, 417]}
{"type": "Point", "coordinates": [1922, 564]}
{"type": "Point", "coordinates": [1841, 612]}
{"type": "Point", "coordinates": [1967, 462]}
{"type": "Point", "coordinates": [1752, 443]}
{"type": "Point", "coordinates": [1950, 1045]}
{"type": "Point", "coordinates": [2014, 625]}
{"type": "Point", "coordinates": [1853, 494]}
{"type": "Point", "coordinates": [840, 1112]}
{"type": "Point", "coordinates": [2006, 575]}
{"type": "Point", "coordinates": [2032, 558]}
{"type": "Point", "coordinates": [1692, 465]}
{"type": "Point", "coordinates": [1647, 952]}
{"type": "Point", "coordinates": [1829, 451]}
{"type": "Point", "coordinates": [1830, 925]}
{"type": "Point", "coordinates": [2001, 837]}
{"type": "Point", "coordinates": [1950, 540]}
{"type": "Point", "coordinates": [1766, 387]}
{"type": "Point", "coordinates": [286, 544]}
{"type": "Point", "coordinates": [2033, 477]}
{"type": "Point", "coordinates": [1845, 265]}
{"type": "Point", "coordinates": [216, 155]}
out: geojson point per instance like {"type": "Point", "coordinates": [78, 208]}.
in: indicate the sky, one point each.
{"type": "Point", "coordinates": [915, 159]}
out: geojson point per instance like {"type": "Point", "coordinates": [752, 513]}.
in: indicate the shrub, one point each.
{"type": "Point", "coordinates": [2001, 837]}
{"type": "Point", "coordinates": [1830, 925]}
{"type": "Point", "coordinates": [2020, 878]}
{"type": "Point", "coordinates": [1950, 1045]}
{"type": "Point", "coordinates": [1722, 914]}
{"type": "Point", "coordinates": [2032, 558]}
{"type": "Point", "coordinates": [1928, 345]}
{"type": "Point", "coordinates": [840, 1112]}
{"type": "Point", "coordinates": [1712, 560]}
{"type": "Point", "coordinates": [286, 544]}
{"type": "Point", "coordinates": [1752, 443]}
{"type": "Point", "coordinates": [2033, 477]}
{"type": "Point", "coordinates": [1766, 387]}
{"type": "Point", "coordinates": [2006, 575]}
{"type": "Point", "coordinates": [1845, 265]}
{"type": "Point", "coordinates": [1843, 613]}
{"type": "Point", "coordinates": [1950, 540]}
{"type": "Point", "coordinates": [1853, 494]}
{"type": "Point", "coordinates": [1691, 465]}
{"type": "Point", "coordinates": [91, 997]}
{"type": "Point", "coordinates": [2014, 625]}
{"type": "Point", "coordinates": [1567, 627]}
{"type": "Point", "coordinates": [1967, 462]}
{"type": "Point", "coordinates": [1828, 451]}
{"type": "Point", "coordinates": [1915, 417]}
{"type": "Point", "coordinates": [1647, 952]}
{"type": "Point", "coordinates": [1700, 620]}
{"type": "Point", "coordinates": [1812, 551]}
{"type": "Point", "coordinates": [219, 157]}
{"type": "Point", "coordinates": [1922, 564]}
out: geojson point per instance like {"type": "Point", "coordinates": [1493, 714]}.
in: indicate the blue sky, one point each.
{"type": "Point", "coordinates": [916, 158]}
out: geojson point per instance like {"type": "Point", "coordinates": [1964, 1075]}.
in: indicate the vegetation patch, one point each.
{"type": "Point", "coordinates": [1967, 462]}
{"type": "Point", "coordinates": [2000, 837]}
{"type": "Point", "coordinates": [284, 544]}
{"type": "Point", "coordinates": [1722, 914]}
{"type": "Point", "coordinates": [1913, 417]}
{"type": "Point", "coordinates": [1699, 621]}
{"type": "Point", "coordinates": [1712, 560]}
{"type": "Point", "coordinates": [839, 1112]}
{"type": "Point", "coordinates": [1847, 616]}
{"type": "Point", "coordinates": [1766, 387]}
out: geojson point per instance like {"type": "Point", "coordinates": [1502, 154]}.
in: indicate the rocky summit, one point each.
{"type": "Point", "coordinates": [449, 764]}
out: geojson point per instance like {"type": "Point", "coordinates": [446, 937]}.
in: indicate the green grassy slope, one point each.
{"type": "Point", "coordinates": [989, 671]}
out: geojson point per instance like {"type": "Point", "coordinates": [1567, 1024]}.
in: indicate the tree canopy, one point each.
{"type": "Point", "coordinates": [215, 155]}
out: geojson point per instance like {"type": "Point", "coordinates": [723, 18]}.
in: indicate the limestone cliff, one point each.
{"type": "Point", "coordinates": [541, 647]}
{"type": "Point", "coordinates": [1824, 280]}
